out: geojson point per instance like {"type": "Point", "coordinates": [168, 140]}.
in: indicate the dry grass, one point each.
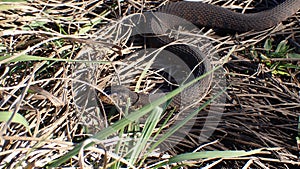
{"type": "Point", "coordinates": [261, 111]}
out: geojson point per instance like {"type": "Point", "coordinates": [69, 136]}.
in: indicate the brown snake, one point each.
{"type": "Point", "coordinates": [202, 14]}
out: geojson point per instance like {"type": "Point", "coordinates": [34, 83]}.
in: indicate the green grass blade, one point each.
{"type": "Point", "coordinates": [185, 120]}
{"type": "Point", "coordinates": [24, 58]}
{"type": "Point", "coordinates": [150, 126]}
{"type": "Point", "coordinates": [293, 55]}
{"type": "Point", "coordinates": [212, 154]}
{"type": "Point", "coordinates": [18, 118]}
{"type": "Point", "coordinates": [128, 119]}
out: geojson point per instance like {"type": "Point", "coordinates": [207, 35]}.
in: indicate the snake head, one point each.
{"type": "Point", "coordinates": [119, 95]}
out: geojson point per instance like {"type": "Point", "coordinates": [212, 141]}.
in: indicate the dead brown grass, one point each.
{"type": "Point", "coordinates": [261, 110]}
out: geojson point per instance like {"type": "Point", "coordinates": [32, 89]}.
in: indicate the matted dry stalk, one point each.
{"type": "Point", "coordinates": [261, 110]}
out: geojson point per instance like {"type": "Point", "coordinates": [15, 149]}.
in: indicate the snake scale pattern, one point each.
{"type": "Point", "coordinates": [207, 15]}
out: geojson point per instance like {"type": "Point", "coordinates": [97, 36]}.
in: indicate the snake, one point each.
{"type": "Point", "coordinates": [211, 16]}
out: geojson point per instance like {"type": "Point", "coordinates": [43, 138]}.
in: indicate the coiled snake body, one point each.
{"type": "Point", "coordinates": [202, 14]}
